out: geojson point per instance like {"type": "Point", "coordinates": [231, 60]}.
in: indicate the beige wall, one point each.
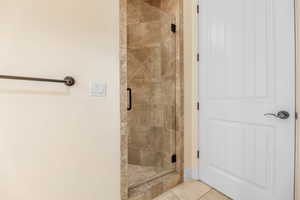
{"type": "Point", "coordinates": [55, 142]}
{"type": "Point", "coordinates": [190, 84]}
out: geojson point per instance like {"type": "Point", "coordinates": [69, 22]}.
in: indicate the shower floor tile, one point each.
{"type": "Point", "coordinates": [138, 174]}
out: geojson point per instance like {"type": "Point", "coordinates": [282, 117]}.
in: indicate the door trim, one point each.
{"type": "Point", "coordinates": [297, 125]}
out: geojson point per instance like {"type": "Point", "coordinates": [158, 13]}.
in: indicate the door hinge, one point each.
{"type": "Point", "coordinates": [198, 154]}
{"type": "Point", "coordinates": [198, 57]}
{"type": "Point", "coordinates": [198, 106]}
{"type": "Point", "coordinates": [174, 158]}
{"type": "Point", "coordinates": [296, 115]}
{"type": "Point", "coordinates": [198, 9]}
{"type": "Point", "coordinates": [173, 28]}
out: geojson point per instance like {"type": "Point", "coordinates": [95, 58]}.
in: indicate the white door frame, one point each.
{"type": "Point", "coordinates": [297, 81]}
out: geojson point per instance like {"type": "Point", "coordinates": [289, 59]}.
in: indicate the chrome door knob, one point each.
{"type": "Point", "coordinates": [280, 115]}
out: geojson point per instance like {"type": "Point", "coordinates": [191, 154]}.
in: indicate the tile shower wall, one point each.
{"type": "Point", "coordinates": [152, 78]}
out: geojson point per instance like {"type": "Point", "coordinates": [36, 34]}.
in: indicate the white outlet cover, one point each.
{"type": "Point", "coordinates": [97, 89]}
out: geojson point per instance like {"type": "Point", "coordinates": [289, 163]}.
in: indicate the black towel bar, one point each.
{"type": "Point", "coordinates": [69, 81]}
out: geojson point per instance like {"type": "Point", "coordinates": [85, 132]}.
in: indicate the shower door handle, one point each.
{"type": "Point", "coordinates": [129, 99]}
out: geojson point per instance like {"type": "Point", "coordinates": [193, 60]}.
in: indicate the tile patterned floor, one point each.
{"type": "Point", "coordinates": [192, 190]}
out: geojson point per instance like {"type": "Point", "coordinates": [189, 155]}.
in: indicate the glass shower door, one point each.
{"type": "Point", "coordinates": [152, 81]}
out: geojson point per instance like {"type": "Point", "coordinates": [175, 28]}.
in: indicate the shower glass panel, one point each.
{"type": "Point", "coordinates": [152, 80]}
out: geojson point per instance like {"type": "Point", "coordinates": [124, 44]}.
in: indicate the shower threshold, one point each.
{"type": "Point", "coordinates": [139, 175]}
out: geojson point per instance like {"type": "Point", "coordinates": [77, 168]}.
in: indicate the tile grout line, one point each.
{"type": "Point", "coordinates": [206, 193]}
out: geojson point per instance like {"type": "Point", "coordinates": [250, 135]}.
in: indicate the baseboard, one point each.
{"type": "Point", "coordinates": [191, 174]}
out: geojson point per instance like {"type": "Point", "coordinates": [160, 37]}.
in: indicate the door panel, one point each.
{"type": "Point", "coordinates": [247, 69]}
{"type": "Point", "coordinates": [240, 41]}
{"type": "Point", "coordinates": [253, 160]}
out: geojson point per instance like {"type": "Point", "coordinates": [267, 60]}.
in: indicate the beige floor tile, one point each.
{"type": "Point", "coordinates": [191, 190]}
{"type": "Point", "coordinates": [214, 195]}
{"type": "Point", "coordinates": [167, 196]}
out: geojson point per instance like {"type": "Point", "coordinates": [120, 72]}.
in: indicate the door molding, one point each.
{"type": "Point", "coordinates": [297, 159]}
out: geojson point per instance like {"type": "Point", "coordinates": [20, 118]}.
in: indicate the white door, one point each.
{"type": "Point", "coordinates": [247, 69]}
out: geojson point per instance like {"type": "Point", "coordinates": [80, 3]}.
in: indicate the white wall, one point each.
{"type": "Point", "coordinates": [55, 142]}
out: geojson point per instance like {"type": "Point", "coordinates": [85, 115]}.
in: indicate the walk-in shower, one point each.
{"type": "Point", "coordinates": [151, 81]}
{"type": "Point", "coordinates": [154, 97]}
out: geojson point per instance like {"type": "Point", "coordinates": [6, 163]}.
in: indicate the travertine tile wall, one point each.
{"type": "Point", "coordinates": [123, 100]}
{"type": "Point", "coordinates": [152, 77]}
{"type": "Point", "coordinates": [151, 189]}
